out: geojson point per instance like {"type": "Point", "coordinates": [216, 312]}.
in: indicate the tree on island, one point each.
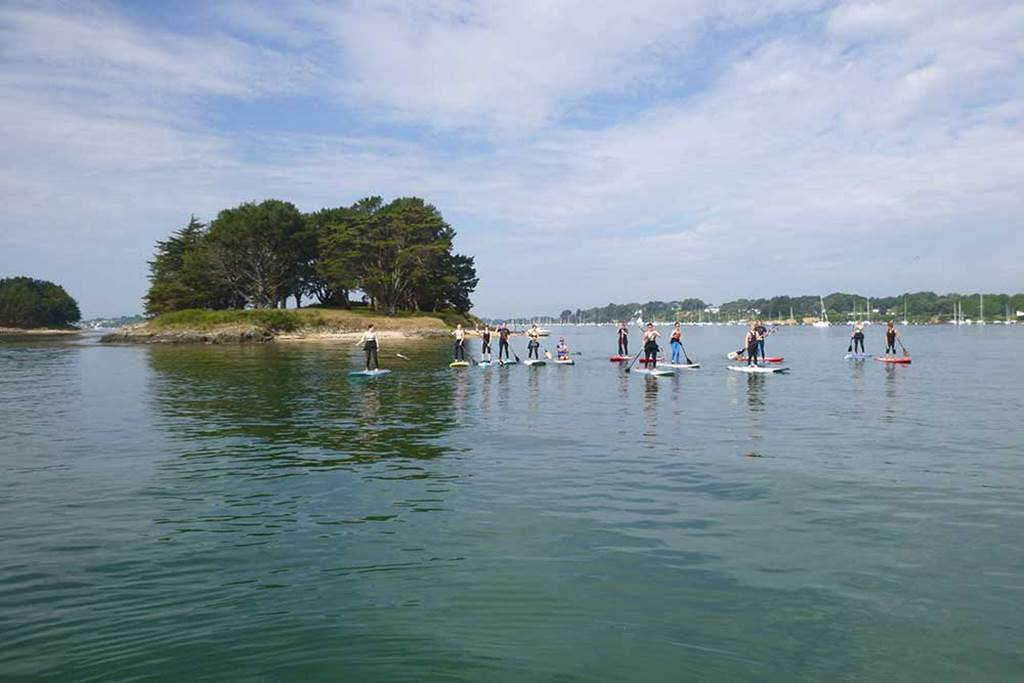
{"type": "Point", "coordinates": [258, 255]}
{"type": "Point", "coordinates": [29, 303]}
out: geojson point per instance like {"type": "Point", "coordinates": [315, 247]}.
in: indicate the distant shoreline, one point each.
{"type": "Point", "coordinates": [38, 331]}
{"type": "Point", "coordinates": [270, 325]}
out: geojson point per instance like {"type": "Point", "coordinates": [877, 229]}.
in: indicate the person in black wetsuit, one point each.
{"type": "Point", "coordinates": [370, 346]}
{"type": "Point", "coordinates": [485, 338]}
{"type": "Point", "coordinates": [623, 340]}
{"type": "Point", "coordinates": [503, 334]}
{"type": "Point", "coordinates": [858, 336]}
{"type": "Point", "coordinates": [533, 346]}
{"type": "Point", "coordinates": [650, 340]}
{"type": "Point", "coordinates": [751, 343]}
{"type": "Point", "coordinates": [891, 335]}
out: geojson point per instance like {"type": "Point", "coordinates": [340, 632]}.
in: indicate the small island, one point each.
{"type": "Point", "coordinates": [37, 307]}
{"type": "Point", "coordinates": [245, 276]}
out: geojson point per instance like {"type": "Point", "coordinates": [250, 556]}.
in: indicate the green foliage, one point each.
{"type": "Point", "coordinates": [686, 309]}
{"type": "Point", "coordinates": [258, 255]}
{"type": "Point", "coordinates": [201, 319]}
{"type": "Point", "coordinates": [28, 303]}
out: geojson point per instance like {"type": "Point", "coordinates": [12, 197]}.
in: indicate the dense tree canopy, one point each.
{"type": "Point", "coordinates": [25, 302]}
{"type": "Point", "coordinates": [258, 255]}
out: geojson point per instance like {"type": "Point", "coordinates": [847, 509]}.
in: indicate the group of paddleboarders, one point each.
{"type": "Point", "coordinates": [891, 337]}
{"type": "Point", "coordinates": [753, 342]}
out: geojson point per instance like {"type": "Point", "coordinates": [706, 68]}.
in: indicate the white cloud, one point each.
{"type": "Point", "coordinates": [852, 146]}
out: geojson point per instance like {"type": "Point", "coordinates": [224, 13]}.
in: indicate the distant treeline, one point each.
{"type": "Point", "coordinates": [399, 255]}
{"type": "Point", "coordinates": [29, 303]}
{"type": "Point", "coordinates": [919, 307]}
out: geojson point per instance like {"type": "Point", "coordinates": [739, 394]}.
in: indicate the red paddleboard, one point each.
{"type": "Point", "coordinates": [619, 359]}
{"type": "Point", "coordinates": [769, 359]}
{"type": "Point", "coordinates": [903, 361]}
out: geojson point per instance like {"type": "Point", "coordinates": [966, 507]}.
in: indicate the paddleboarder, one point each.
{"type": "Point", "coordinates": [750, 341]}
{"type": "Point", "coordinates": [676, 342]}
{"type": "Point", "coordinates": [460, 342]}
{"type": "Point", "coordinates": [891, 335]}
{"type": "Point", "coordinates": [533, 347]}
{"type": "Point", "coordinates": [762, 332]}
{"type": "Point", "coordinates": [485, 338]}
{"type": "Point", "coordinates": [623, 339]}
{"type": "Point", "coordinates": [503, 335]}
{"type": "Point", "coordinates": [650, 341]}
{"type": "Point", "coordinates": [562, 350]}
{"type": "Point", "coordinates": [370, 347]}
{"type": "Point", "coordinates": [858, 336]}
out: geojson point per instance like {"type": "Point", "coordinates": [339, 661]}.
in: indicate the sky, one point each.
{"type": "Point", "coordinates": [586, 152]}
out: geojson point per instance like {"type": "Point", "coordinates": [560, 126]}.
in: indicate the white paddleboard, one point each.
{"type": "Point", "coordinates": [685, 366]}
{"type": "Point", "coordinates": [757, 369]}
{"type": "Point", "coordinates": [567, 361]}
{"type": "Point", "coordinates": [534, 361]}
{"type": "Point", "coordinates": [656, 372]}
{"type": "Point", "coordinates": [857, 356]}
{"type": "Point", "coordinates": [369, 373]}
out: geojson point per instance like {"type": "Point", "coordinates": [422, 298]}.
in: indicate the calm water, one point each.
{"type": "Point", "coordinates": [252, 513]}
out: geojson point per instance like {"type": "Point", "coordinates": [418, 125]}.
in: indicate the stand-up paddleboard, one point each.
{"type": "Point", "coordinates": [857, 356]}
{"type": "Point", "coordinates": [743, 357]}
{"type": "Point", "coordinates": [619, 359]}
{"type": "Point", "coordinates": [904, 360]}
{"type": "Point", "coordinates": [654, 372]}
{"type": "Point", "coordinates": [564, 361]}
{"type": "Point", "coordinates": [534, 361]}
{"type": "Point", "coordinates": [508, 362]}
{"type": "Point", "coordinates": [757, 369]}
{"type": "Point", "coordinates": [682, 366]}
{"type": "Point", "coordinates": [485, 364]}
{"type": "Point", "coordinates": [369, 373]}
{"type": "Point", "coordinates": [459, 364]}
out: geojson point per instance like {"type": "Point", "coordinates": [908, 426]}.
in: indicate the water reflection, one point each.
{"type": "Point", "coordinates": [755, 392]}
{"type": "Point", "coordinates": [270, 400]}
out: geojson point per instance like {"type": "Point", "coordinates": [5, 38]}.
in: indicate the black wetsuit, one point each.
{"type": "Point", "coordinates": [890, 341]}
{"type": "Point", "coordinates": [651, 352]}
{"type": "Point", "coordinates": [858, 341]}
{"type": "Point", "coordinates": [533, 349]}
{"type": "Point", "coordinates": [751, 348]}
{"type": "Point", "coordinates": [486, 338]}
{"type": "Point", "coordinates": [460, 349]}
{"type": "Point", "coordinates": [370, 347]}
{"type": "Point", "coordinates": [503, 335]}
{"type": "Point", "coordinates": [623, 341]}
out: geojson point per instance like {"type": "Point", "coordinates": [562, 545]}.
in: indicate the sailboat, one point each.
{"type": "Point", "coordinates": [905, 322]}
{"type": "Point", "coordinates": [822, 321]}
{"type": "Point", "coordinates": [981, 309]}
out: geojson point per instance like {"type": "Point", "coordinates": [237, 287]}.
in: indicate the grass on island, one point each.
{"type": "Point", "coordinates": [313, 318]}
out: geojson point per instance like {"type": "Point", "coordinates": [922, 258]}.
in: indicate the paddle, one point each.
{"type": "Point", "coordinates": [637, 356]}
{"type": "Point", "coordinates": [685, 355]}
{"type": "Point", "coordinates": [849, 349]}
{"type": "Point", "coordinates": [904, 348]}
{"type": "Point", "coordinates": [398, 355]}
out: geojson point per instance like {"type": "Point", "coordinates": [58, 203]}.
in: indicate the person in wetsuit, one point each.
{"type": "Point", "coordinates": [623, 340]}
{"type": "Point", "coordinates": [370, 347]}
{"type": "Point", "coordinates": [750, 341]}
{"type": "Point", "coordinates": [650, 340]}
{"type": "Point", "coordinates": [533, 347]}
{"type": "Point", "coordinates": [503, 334]}
{"type": "Point", "coordinates": [676, 342]}
{"type": "Point", "coordinates": [485, 338]}
{"type": "Point", "coordinates": [762, 332]}
{"type": "Point", "coordinates": [460, 342]}
{"type": "Point", "coordinates": [858, 336]}
{"type": "Point", "coordinates": [891, 335]}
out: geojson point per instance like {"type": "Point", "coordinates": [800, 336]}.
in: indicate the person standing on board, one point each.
{"type": "Point", "coordinates": [750, 341]}
{"type": "Point", "coordinates": [503, 334]}
{"type": "Point", "coordinates": [650, 341]}
{"type": "Point", "coordinates": [858, 336]}
{"type": "Point", "coordinates": [533, 347]}
{"type": "Point", "coordinates": [676, 342]}
{"type": "Point", "coordinates": [762, 332]}
{"type": "Point", "coordinates": [891, 335]}
{"type": "Point", "coordinates": [460, 342]}
{"type": "Point", "coordinates": [485, 348]}
{"type": "Point", "coordinates": [370, 346]}
{"type": "Point", "coordinates": [623, 340]}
